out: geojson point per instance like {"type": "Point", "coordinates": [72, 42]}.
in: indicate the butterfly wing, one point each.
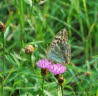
{"type": "Point", "coordinates": [60, 50]}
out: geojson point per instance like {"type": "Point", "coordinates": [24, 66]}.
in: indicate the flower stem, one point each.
{"type": "Point", "coordinates": [62, 90]}
{"type": "Point", "coordinates": [57, 90]}
{"type": "Point", "coordinates": [43, 85]}
{"type": "Point", "coordinates": [3, 63]}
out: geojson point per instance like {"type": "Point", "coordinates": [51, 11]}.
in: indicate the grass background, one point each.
{"type": "Point", "coordinates": [36, 22]}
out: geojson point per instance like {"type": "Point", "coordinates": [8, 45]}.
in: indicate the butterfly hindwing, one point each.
{"type": "Point", "coordinates": [55, 54]}
{"type": "Point", "coordinates": [59, 49]}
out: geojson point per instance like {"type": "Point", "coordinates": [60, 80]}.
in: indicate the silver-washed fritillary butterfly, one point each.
{"type": "Point", "coordinates": [59, 50]}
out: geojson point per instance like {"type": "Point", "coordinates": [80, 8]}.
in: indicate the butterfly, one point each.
{"type": "Point", "coordinates": [59, 50]}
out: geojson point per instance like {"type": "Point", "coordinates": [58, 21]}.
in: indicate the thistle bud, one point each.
{"type": "Point", "coordinates": [2, 27]}
{"type": "Point", "coordinates": [29, 49]}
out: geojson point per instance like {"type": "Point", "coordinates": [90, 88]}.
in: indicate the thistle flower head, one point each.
{"type": "Point", "coordinates": [57, 69]}
{"type": "Point", "coordinates": [43, 63]}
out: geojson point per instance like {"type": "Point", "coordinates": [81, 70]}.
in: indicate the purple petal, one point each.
{"type": "Point", "coordinates": [57, 68]}
{"type": "Point", "coordinates": [43, 63]}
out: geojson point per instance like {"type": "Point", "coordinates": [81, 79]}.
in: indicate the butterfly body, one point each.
{"type": "Point", "coordinates": [59, 49]}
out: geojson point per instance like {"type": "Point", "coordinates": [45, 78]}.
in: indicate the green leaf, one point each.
{"type": "Point", "coordinates": [9, 59]}
{"type": "Point", "coordinates": [6, 32]}
{"type": "Point", "coordinates": [29, 2]}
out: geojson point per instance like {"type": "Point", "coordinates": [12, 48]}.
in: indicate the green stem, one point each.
{"type": "Point", "coordinates": [43, 85]}
{"type": "Point", "coordinates": [62, 90]}
{"type": "Point", "coordinates": [57, 90]}
{"type": "Point", "coordinates": [20, 11]}
{"type": "Point", "coordinates": [3, 64]}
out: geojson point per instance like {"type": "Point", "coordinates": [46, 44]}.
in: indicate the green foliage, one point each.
{"type": "Point", "coordinates": [36, 22]}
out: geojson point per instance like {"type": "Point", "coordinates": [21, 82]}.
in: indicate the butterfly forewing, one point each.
{"type": "Point", "coordinates": [59, 49]}
{"type": "Point", "coordinates": [61, 36]}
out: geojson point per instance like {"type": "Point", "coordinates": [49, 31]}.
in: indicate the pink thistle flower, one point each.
{"type": "Point", "coordinates": [57, 69]}
{"type": "Point", "coordinates": [43, 63]}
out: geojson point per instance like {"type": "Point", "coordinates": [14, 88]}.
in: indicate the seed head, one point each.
{"type": "Point", "coordinates": [2, 27]}
{"type": "Point", "coordinates": [29, 49]}
{"type": "Point", "coordinates": [88, 73]}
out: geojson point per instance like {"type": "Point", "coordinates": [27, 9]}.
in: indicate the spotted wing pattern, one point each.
{"type": "Point", "coordinates": [59, 49]}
